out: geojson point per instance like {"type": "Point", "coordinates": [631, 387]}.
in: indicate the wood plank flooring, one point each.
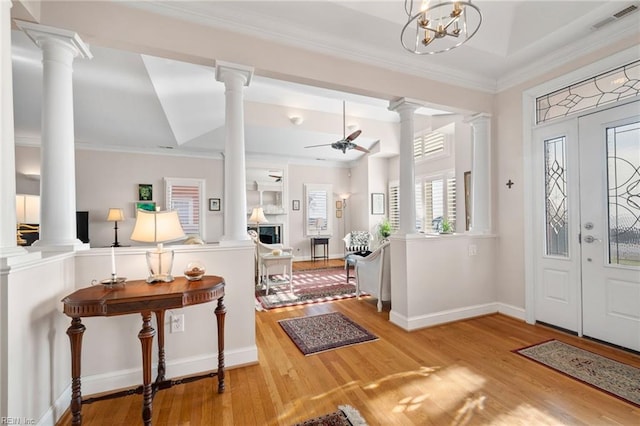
{"type": "Point", "coordinates": [463, 373]}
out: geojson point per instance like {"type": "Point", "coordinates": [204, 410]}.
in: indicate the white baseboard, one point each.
{"type": "Point", "coordinates": [53, 414]}
{"type": "Point", "coordinates": [437, 318]}
{"type": "Point", "coordinates": [175, 368]}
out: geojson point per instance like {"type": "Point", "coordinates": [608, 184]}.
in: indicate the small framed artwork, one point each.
{"type": "Point", "coordinates": [149, 206]}
{"type": "Point", "coordinates": [377, 203]}
{"type": "Point", "coordinates": [338, 214]}
{"type": "Point", "coordinates": [338, 205]}
{"type": "Point", "coordinates": [145, 192]}
{"type": "Point", "coordinates": [295, 205]}
{"type": "Point", "coordinates": [214, 204]}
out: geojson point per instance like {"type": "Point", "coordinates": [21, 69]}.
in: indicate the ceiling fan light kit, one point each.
{"type": "Point", "coordinates": [439, 26]}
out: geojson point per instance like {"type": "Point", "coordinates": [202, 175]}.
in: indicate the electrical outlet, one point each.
{"type": "Point", "coordinates": [473, 250]}
{"type": "Point", "coordinates": [177, 323]}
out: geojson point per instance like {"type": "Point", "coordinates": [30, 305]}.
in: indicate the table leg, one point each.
{"type": "Point", "coordinates": [220, 312]}
{"type": "Point", "coordinates": [161, 356]}
{"type": "Point", "coordinates": [146, 339]}
{"type": "Point", "coordinates": [75, 332]}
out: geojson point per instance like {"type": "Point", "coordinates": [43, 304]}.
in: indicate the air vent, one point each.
{"type": "Point", "coordinates": [620, 14]}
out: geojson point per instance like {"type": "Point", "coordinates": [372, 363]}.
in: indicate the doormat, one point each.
{"type": "Point", "coordinates": [346, 415]}
{"type": "Point", "coordinates": [308, 287]}
{"type": "Point", "coordinates": [320, 333]}
{"type": "Point", "coordinates": [613, 377]}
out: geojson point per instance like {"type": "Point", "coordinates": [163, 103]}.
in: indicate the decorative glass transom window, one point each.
{"type": "Point", "coordinates": [612, 86]}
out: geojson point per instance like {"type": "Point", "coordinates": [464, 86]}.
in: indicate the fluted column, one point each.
{"type": "Point", "coordinates": [406, 110]}
{"type": "Point", "coordinates": [481, 174]}
{"type": "Point", "coordinates": [234, 77]}
{"type": "Point", "coordinates": [57, 174]}
{"type": "Point", "coordinates": [8, 245]}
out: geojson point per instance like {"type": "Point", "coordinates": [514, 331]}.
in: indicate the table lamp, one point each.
{"type": "Point", "coordinates": [257, 217]}
{"type": "Point", "coordinates": [115, 215]}
{"type": "Point", "coordinates": [158, 227]}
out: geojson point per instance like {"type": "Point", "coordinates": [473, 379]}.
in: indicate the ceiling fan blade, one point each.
{"type": "Point", "coordinates": [353, 135]}
{"type": "Point", "coordinates": [315, 146]}
{"type": "Point", "coordinates": [359, 148]}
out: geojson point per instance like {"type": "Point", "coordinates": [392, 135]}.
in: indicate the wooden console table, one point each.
{"type": "Point", "coordinates": [140, 297]}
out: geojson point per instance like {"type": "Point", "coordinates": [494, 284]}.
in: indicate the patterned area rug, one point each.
{"type": "Point", "coordinates": [345, 416]}
{"type": "Point", "coordinates": [612, 377]}
{"type": "Point", "coordinates": [308, 287]}
{"type": "Point", "coordinates": [320, 333]}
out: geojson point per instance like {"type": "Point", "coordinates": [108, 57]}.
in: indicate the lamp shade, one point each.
{"type": "Point", "coordinates": [157, 227]}
{"type": "Point", "coordinates": [257, 216]}
{"type": "Point", "coordinates": [115, 215]}
{"type": "Point", "coordinates": [28, 208]}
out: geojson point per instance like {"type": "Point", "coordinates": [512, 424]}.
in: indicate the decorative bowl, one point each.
{"type": "Point", "coordinates": [194, 271]}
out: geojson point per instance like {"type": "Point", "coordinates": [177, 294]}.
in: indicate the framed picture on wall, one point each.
{"type": "Point", "coordinates": [295, 205]}
{"type": "Point", "coordinates": [145, 192]}
{"type": "Point", "coordinates": [377, 203]}
{"type": "Point", "coordinates": [338, 214]}
{"type": "Point", "coordinates": [214, 204]}
{"type": "Point", "coordinates": [338, 205]}
{"type": "Point", "coordinates": [149, 206]}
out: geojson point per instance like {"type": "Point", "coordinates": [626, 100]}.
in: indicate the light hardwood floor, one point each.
{"type": "Point", "coordinates": [463, 373]}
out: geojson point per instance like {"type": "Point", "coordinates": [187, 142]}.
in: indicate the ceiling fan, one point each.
{"type": "Point", "coordinates": [277, 177]}
{"type": "Point", "coordinates": [347, 141]}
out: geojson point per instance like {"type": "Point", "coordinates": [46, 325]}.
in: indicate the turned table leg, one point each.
{"type": "Point", "coordinates": [75, 331]}
{"type": "Point", "coordinates": [220, 315]}
{"type": "Point", "coordinates": [146, 339]}
{"type": "Point", "coordinates": [161, 356]}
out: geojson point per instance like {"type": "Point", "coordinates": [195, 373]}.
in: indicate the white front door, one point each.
{"type": "Point", "coordinates": [587, 225]}
{"type": "Point", "coordinates": [610, 224]}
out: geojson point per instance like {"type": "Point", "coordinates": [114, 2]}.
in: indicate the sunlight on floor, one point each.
{"type": "Point", "coordinates": [525, 414]}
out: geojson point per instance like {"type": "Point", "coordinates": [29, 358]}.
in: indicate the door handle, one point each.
{"type": "Point", "coordinates": [590, 239]}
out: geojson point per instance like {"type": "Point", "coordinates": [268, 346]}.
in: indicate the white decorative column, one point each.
{"type": "Point", "coordinates": [58, 179]}
{"type": "Point", "coordinates": [406, 110]}
{"type": "Point", "coordinates": [481, 174]}
{"type": "Point", "coordinates": [8, 245]}
{"type": "Point", "coordinates": [234, 77]}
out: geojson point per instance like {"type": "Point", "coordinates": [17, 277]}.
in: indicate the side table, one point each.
{"type": "Point", "coordinates": [320, 241]}
{"type": "Point", "coordinates": [139, 297]}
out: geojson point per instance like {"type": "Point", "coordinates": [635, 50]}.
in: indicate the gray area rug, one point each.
{"type": "Point", "coordinates": [346, 415]}
{"type": "Point", "coordinates": [319, 333]}
{"type": "Point", "coordinates": [613, 377]}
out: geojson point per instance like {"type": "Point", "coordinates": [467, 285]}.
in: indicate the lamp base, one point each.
{"type": "Point", "coordinates": [160, 262]}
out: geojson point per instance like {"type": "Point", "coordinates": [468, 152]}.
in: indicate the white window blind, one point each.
{"type": "Point", "coordinates": [435, 200]}
{"type": "Point", "coordinates": [394, 206]}
{"type": "Point", "coordinates": [185, 196]}
{"type": "Point", "coordinates": [427, 145]}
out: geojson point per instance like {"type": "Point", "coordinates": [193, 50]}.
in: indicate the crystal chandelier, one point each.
{"type": "Point", "coordinates": [439, 26]}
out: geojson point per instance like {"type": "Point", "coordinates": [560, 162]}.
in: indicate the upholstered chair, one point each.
{"type": "Point", "coordinates": [373, 274]}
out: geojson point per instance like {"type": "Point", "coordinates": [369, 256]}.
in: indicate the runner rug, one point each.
{"type": "Point", "coordinates": [346, 415]}
{"type": "Point", "coordinates": [320, 333]}
{"type": "Point", "coordinates": [613, 377]}
{"type": "Point", "coordinates": [308, 287]}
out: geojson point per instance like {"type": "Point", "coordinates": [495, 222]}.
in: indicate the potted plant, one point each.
{"type": "Point", "coordinates": [447, 228]}
{"type": "Point", "coordinates": [384, 228]}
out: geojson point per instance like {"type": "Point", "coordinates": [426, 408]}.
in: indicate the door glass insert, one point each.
{"type": "Point", "coordinates": [556, 215]}
{"type": "Point", "coordinates": [623, 154]}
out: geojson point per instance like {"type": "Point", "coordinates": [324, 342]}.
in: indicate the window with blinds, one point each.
{"type": "Point", "coordinates": [435, 200]}
{"type": "Point", "coordinates": [428, 145]}
{"type": "Point", "coordinates": [186, 197]}
{"type": "Point", "coordinates": [394, 206]}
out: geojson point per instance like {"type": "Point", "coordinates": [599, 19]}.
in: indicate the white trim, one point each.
{"type": "Point", "coordinates": [55, 412]}
{"type": "Point", "coordinates": [528, 124]}
{"type": "Point", "coordinates": [437, 318]}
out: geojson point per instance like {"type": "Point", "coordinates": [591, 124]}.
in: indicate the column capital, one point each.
{"type": "Point", "coordinates": [225, 68]}
{"type": "Point", "coordinates": [41, 33]}
{"type": "Point", "coordinates": [478, 118]}
{"type": "Point", "coordinates": [404, 104]}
